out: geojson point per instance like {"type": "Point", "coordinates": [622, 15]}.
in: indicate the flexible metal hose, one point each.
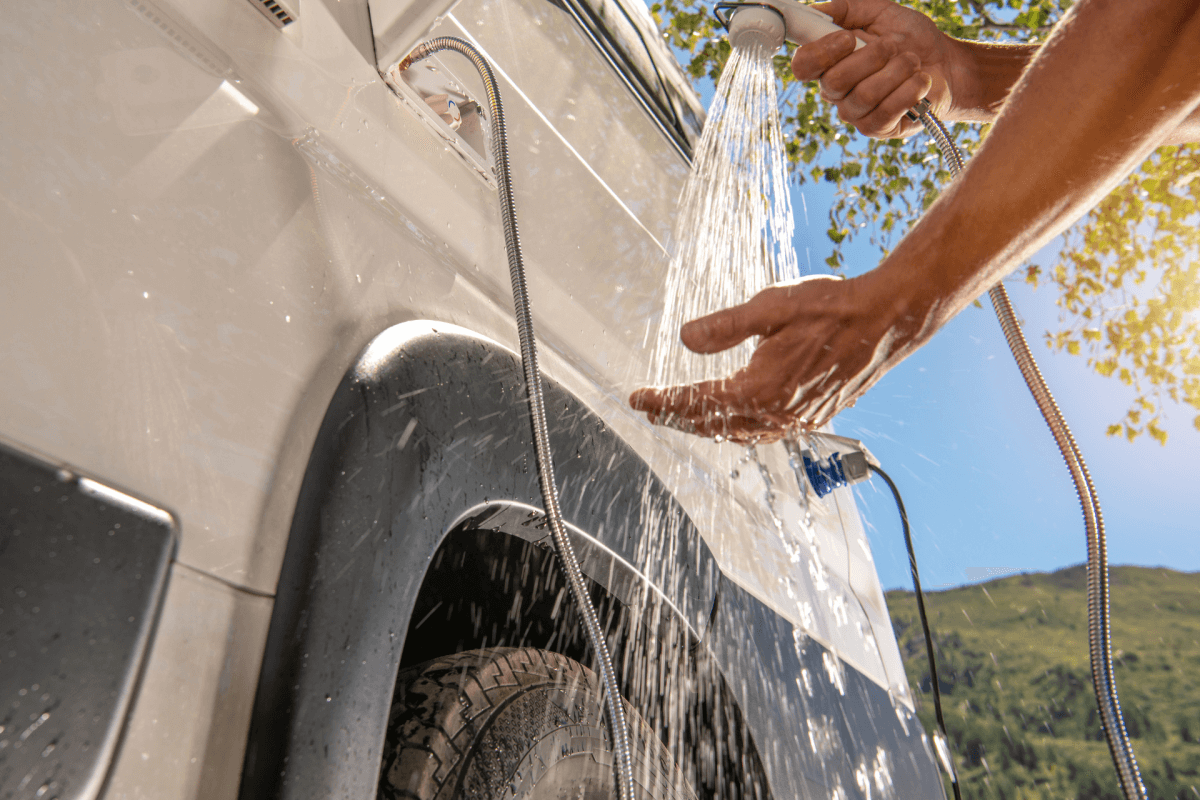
{"type": "Point", "coordinates": [537, 404]}
{"type": "Point", "coordinates": [1099, 646]}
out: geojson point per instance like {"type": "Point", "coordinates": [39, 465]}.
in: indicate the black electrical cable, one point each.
{"type": "Point", "coordinates": [912, 565]}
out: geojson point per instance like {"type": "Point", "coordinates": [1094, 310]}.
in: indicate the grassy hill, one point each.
{"type": "Point", "coordinates": [1017, 689]}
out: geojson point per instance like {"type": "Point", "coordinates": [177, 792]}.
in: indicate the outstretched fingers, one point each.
{"type": "Point", "coordinates": [815, 357]}
{"type": "Point", "coordinates": [695, 402]}
{"type": "Point", "coordinates": [731, 326]}
{"type": "Point", "coordinates": [744, 408]}
{"type": "Point", "coordinates": [761, 315]}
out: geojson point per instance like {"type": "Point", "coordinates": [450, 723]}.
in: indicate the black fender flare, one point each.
{"type": "Point", "coordinates": [429, 429]}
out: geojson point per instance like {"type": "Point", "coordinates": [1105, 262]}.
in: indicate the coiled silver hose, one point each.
{"type": "Point", "coordinates": [537, 404]}
{"type": "Point", "coordinates": [1099, 646]}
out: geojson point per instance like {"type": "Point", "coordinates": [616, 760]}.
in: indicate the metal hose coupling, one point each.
{"type": "Point", "coordinates": [537, 404]}
{"type": "Point", "coordinates": [1099, 644]}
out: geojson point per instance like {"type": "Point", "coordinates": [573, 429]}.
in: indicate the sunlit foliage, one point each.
{"type": "Point", "coordinates": [1017, 686]}
{"type": "Point", "coordinates": [1126, 274]}
{"type": "Point", "coordinates": [1130, 288]}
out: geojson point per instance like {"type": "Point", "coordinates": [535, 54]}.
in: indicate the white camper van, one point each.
{"type": "Point", "coordinates": [266, 476]}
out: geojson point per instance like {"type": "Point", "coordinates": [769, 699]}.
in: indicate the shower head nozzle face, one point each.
{"type": "Point", "coordinates": [757, 26]}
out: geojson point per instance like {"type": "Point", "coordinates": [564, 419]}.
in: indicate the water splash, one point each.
{"type": "Point", "coordinates": [769, 497]}
{"type": "Point", "coordinates": [733, 235]}
{"type": "Point", "coordinates": [835, 668]}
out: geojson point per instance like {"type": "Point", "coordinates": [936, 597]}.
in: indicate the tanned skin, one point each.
{"type": "Point", "coordinates": [1072, 118]}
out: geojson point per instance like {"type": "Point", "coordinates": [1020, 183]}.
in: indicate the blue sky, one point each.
{"type": "Point", "coordinates": [985, 488]}
{"type": "Point", "coordinates": [984, 485]}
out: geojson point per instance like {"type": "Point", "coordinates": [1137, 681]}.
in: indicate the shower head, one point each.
{"type": "Point", "coordinates": [756, 26]}
{"type": "Point", "coordinates": [770, 22]}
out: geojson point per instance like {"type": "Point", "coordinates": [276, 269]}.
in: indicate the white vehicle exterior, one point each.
{"type": "Point", "coordinates": [212, 224]}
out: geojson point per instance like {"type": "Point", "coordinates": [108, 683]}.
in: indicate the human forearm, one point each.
{"type": "Point", "coordinates": [988, 73]}
{"type": "Point", "coordinates": [983, 75]}
{"type": "Point", "coordinates": [1113, 82]}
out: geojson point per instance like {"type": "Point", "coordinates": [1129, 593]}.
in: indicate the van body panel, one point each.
{"type": "Point", "coordinates": [210, 218]}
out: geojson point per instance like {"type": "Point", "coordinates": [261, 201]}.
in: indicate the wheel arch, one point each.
{"type": "Point", "coordinates": [427, 434]}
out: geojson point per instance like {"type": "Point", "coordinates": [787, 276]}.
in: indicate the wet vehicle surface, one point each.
{"type": "Point", "coordinates": [257, 313]}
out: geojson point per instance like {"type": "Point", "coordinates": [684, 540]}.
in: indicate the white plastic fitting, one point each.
{"type": "Point", "coordinates": [802, 24]}
{"type": "Point", "coordinates": [755, 26]}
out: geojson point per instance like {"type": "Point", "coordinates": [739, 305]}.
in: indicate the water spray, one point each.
{"type": "Point", "coordinates": [768, 24]}
{"type": "Point", "coordinates": [537, 404]}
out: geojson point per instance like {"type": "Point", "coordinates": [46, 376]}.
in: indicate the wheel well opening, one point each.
{"type": "Point", "coordinates": [490, 589]}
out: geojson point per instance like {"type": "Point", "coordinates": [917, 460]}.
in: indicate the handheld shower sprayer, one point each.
{"type": "Point", "coordinates": [756, 26]}
{"type": "Point", "coordinates": [769, 23]}
{"type": "Point", "coordinates": [772, 22]}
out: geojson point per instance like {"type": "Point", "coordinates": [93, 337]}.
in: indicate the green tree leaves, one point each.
{"type": "Point", "coordinates": [1129, 288]}
{"type": "Point", "coordinates": [1127, 274]}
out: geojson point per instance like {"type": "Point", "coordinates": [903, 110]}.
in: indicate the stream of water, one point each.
{"type": "Point", "coordinates": [733, 235]}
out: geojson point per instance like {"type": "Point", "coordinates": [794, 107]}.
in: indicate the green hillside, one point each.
{"type": "Point", "coordinates": [1017, 689]}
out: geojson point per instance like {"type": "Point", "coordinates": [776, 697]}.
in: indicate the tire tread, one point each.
{"type": "Point", "coordinates": [442, 709]}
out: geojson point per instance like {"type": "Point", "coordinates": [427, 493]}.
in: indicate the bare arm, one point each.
{"type": "Point", "coordinates": [990, 73]}
{"type": "Point", "coordinates": [996, 68]}
{"type": "Point", "coordinates": [1114, 80]}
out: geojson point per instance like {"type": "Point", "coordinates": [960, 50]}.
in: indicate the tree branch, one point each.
{"type": "Point", "coordinates": [990, 24]}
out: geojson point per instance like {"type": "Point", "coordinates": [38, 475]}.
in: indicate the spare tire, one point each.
{"type": "Point", "coordinates": [513, 723]}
